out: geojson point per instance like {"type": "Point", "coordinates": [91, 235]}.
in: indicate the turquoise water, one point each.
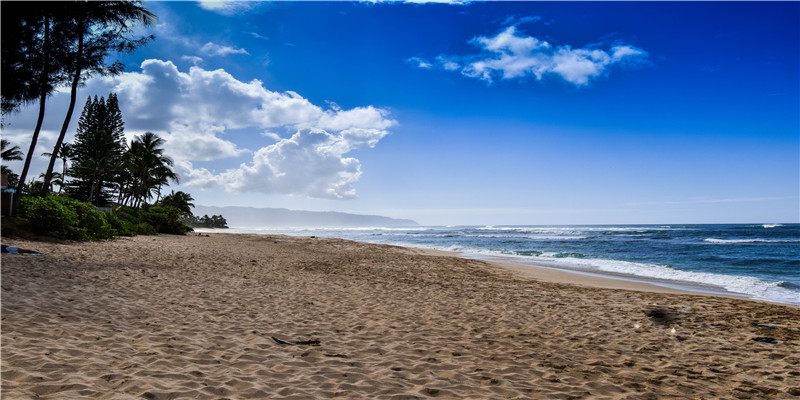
{"type": "Point", "coordinates": [757, 261]}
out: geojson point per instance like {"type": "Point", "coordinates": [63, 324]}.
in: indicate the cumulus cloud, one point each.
{"type": "Point", "coordinates": [228, 7]}
{"type": "Point", "coordinates": [282, 142]}
{"type": "Point", "coordinates": [453, 2]}
{"type": "Point", "coordinates": [516, 20]}
{"type": "Point", "coordinates": [311, 163]}
{"type": "Point", "coordinates": [195, 60]}
{"type": "Point", "coordinates": [419, 62]}
{"type": "Point", "coordinates": [199, 141]}
{"type": "Point", "coordinates": [510, 55]}
{"type": "Point", "coordinates": [213, 49]}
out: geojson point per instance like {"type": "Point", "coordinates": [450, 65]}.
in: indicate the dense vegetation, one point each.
{"type": "Point", "coordinates": [106, 187]}
{"type": "Point", "coordinates": [214, 221]}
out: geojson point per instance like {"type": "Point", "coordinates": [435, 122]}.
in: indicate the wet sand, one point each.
{"type": "Point", "coordinates": [198, 317]}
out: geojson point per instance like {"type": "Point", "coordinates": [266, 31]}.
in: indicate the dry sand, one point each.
{"type": "Point", "coordinates": [194, 317]}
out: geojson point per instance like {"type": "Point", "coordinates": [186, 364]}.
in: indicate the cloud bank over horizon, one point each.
{"type": "Point", "coordinates": [511, 55]}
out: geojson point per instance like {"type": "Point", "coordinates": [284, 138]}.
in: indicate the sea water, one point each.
{"type": "Point", "coordinates": [753, 260]}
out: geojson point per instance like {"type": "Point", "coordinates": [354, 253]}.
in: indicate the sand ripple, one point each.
{"type": "Point", "coordinates": [194, 317]}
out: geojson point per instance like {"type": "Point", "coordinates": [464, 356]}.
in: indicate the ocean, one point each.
{"type": "Point", "coordinates": [756, 261]}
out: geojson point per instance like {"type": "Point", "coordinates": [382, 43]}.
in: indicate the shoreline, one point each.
{"type": "Point", "coordinates": [561, 273]}
{"type": "Point", "coordinates": [566, 276]}
{"type": "Point", "coordinates": [599, 280]}
{"type": "Point", "coordinates": [284, 317]}
{"type": "Point", "coordinates": [611, 280]}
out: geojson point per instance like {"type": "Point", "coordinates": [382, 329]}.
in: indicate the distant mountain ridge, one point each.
{"type": "Point", "coordinates": [253, 217]}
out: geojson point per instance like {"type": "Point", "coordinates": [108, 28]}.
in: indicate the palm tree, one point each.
{"type": "Point", "coordinates": [180, 200]}
{"type": "Point", "coordinates": [58, 179]}
{"type": "Point", "coordinates": [149, 168]}
{"type": "Point", "coordinates": [46, 44]}
{"type": "Point", "coordinates": [10, 154]}
{"type": "Point", "coordinates": [161, 177]}
{"type": "Point", "coordinates": [36, 53]}
{"type": "Point", "coordinates": [64, 153]}
{"type": "Point", "coordinates": [34, 44]}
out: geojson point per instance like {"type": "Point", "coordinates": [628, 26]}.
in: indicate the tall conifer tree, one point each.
{"type": "Point", "coordinates": [97, 151]}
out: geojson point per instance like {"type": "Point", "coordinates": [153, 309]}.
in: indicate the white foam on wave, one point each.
{"type": "Point", "coordinates": [521, 236]}
{"type": "Point", "coordinates": [545, 237]}
{"type": "Point", "coordinates": [735, 241]}
{"type": "Point", "coordinates": [768, 226]}
{"type": "Point", "coordinates": [750, 286]}
{"type": "Point", "coordinates": [744, 285]}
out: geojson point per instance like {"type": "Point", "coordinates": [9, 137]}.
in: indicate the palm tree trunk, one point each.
{"type": "Point", "coordinates": [72, 96]}
{"type": "Point", "coordinates": [31, 149]}
{"type": "Point", "coordinates": [63, 175]}
{"type": "Point", "coordinates": [39, 120]}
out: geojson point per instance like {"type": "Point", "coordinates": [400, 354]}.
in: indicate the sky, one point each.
{"type": "Point", "coordinates": [469, 113]}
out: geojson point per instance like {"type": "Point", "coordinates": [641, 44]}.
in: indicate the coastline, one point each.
{"type": "Point", "coordinates": [609, 280]}
{"type": "Point", "coordinates": [197, 316]}
{"type": "Point", "coordinates": [554, 274]}
{"type": "Point", "coordinates": [649, 261]}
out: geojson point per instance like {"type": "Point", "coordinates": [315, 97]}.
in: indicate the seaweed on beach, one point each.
{"type": "Point", "coordinates": [662, 316]}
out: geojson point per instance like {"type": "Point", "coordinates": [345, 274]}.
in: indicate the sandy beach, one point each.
{"type": "Point", "coordinates": [254, 316]}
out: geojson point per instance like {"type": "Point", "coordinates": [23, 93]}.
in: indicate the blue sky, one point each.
{"type": "Point", "coordinates": [476, 113]}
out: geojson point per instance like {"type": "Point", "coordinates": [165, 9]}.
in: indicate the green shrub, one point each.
{"type": "Point", "coordinates": [66, 218]}
{"type": "Point", "coordinates": [48, 216]}
{"type": "Point", "coordinates": [94, 222]}
{"type": "Point", "coordinates": [132, 222]}
{"type": "Point", "coordinates": [143, 228]}
{"type": "Point", "coordinates": [128, 214]}
{"type": "Point", "coordinates": [121, 227]}
{"type": "Point", "coordinates": [164, 219]}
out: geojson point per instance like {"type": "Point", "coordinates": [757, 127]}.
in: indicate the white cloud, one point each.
{"type": "Point", "coordinates": [195, 60]}
{"type": "Point", "coordinates": [271, 135]}
{"type": "Point", "coordinates": [214, 49]}
{"type": "Point", "coordinates": [510, 55]}
{"type": "Point", "coordinates": [228, 7]}
{"type": "Point", "coordinates": [310, 163]}
{"type": "Point", "coordinates": [200, 178]}
{"type": "Point", "coordinates": [194, 110]}
{"type": "Point", "coordinates": [448, 64]}
{"type": "Point", "coordinates": [199, 142]}
{"type": "Point", "coordinates": [454, 2]}
{"type": "Point", "coordinates": [516, 21]}
{"type": "Point", "coordinates": [420, 62]}
{"type": "Point", "coordinates": [204, 116]}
